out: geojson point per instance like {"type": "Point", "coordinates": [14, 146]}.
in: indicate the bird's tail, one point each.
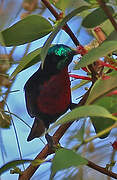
{"type": "Point", "coordinates": [37, 129]}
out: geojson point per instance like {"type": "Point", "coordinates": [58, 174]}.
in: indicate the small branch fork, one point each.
{"type": "Point", "coordinates": [28, 173]}
{"type": "Point", "coordinates": [58, 17]}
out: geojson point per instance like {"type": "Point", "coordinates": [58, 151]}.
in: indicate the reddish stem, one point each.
{"type": "Point", "coordinates": [100, 35]}
{"type": "Point", "coordinates": [80, 77]}
{"type": "Point", "coordinates": [101, 63]}
{"type": "Point", "coordinates": [58, 17]}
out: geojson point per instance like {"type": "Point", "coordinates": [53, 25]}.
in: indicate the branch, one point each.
{"type": "Point", "coordinates": [102, 170]}
{"type": "Point", "coordinates": [58, 17]}
{"type": "Point", "coordinates": [107, 12]}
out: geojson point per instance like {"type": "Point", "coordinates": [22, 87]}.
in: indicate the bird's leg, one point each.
{"type": "Point", "coordinates": [54, 146]}
{"type": "Point", "coordinates": [49, 140]}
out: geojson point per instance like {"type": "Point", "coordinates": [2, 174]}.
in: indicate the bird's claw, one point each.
{"type": "Point", "coordinates": [51, 142]}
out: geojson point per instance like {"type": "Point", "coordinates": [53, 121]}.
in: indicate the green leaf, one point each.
{"type": "Point", "coordinates": [102, 87]}
{"type": "Point", "coordinates": [94, 54]}
{"type": "Point", "coordinates": [107, 27]}
{"type": "Point", "coordinates": [92, 2]}
{"type": "Point", "coordinates": [62, 4]}
{"type": "Point", "coordinates": [102, 123]}
{"type": "Point", "coordinates": [110, 103]}
{"type": "Point", "coordinates": [77, 3]}
{"type": "Point", "coordinates": [27, 61]}
{"type": "Point", "coordinates": [57, 29]}
{"type": "Point", "coordinates": [12, 164]}
{"type": "Point", "coordinates": [112, 36]}
{"type": "Point", "coordinates": [80, 134]}
{"type": "Point", "coordinates": [96, 17]}
{"type": "Point", "coordinates": [27, 30]}
{"type": "Point", "coordinates": [84, 111]}
{"type": "Point", "coordinates": [65, 158]}
{"type": "Point", "coordinates": [96, 96]}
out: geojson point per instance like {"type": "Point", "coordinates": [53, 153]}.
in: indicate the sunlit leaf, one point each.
{"type": "Point", "coordinates": [94, 54]}
{"type": "Point", "coordinates": [91, 1]}
{"type": "Point", "coordinates": [101, 87]}
{"type": "Point", "coordinates": [106, 24]}
{"type": "Point", "coordinates": [62, 4]}
{"type": "Point", "coordinates": [26, 30]}
{"type": "Point", "coordinates": [84, 111]}
{"type": "Point", "coordinates": [65, 158]}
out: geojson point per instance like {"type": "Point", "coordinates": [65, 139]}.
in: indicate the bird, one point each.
{"type": "Point", "coordinates": [47, 91]}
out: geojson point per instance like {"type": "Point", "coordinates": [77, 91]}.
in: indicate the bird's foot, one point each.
{"type": "Point", "coordinates": [51, 142]}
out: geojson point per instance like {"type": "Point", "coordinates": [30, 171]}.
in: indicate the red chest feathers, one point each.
{"type": "Point", "coordinates": [55, 94]}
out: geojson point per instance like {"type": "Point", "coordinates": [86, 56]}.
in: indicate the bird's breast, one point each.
{"type": "Point", "coordinates": [55, 94]}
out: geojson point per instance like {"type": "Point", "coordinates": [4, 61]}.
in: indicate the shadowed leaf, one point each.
{"type": "Point", "coordinates": [96, 17]}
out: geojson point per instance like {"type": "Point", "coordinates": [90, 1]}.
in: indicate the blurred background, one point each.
{"type": "Point", "coordinates": [13, 139]}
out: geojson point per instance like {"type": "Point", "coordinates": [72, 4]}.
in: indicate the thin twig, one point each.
{"type": "Point", "coordinates": [58, 17]}
{"type": "Point", "coordinates": [85, 141]}
{"type": "Point", "coordinates": [107, 12]}
{"type": "Point", "coordinates": [102, 170]}
{"type": "Point", "coordinates": [27, 49]}
{"type": "Point", "coordinates": [11, 52]}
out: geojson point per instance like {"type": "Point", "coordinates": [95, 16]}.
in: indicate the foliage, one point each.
{"type": "Point", "coordinates": [97, 61]}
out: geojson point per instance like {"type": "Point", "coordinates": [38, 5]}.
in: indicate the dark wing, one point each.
{"type": "Point", "coordinates": [31, 89]}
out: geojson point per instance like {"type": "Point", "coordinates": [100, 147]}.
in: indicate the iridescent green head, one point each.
{"type": "Point", "coordinates": [58, 57]}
